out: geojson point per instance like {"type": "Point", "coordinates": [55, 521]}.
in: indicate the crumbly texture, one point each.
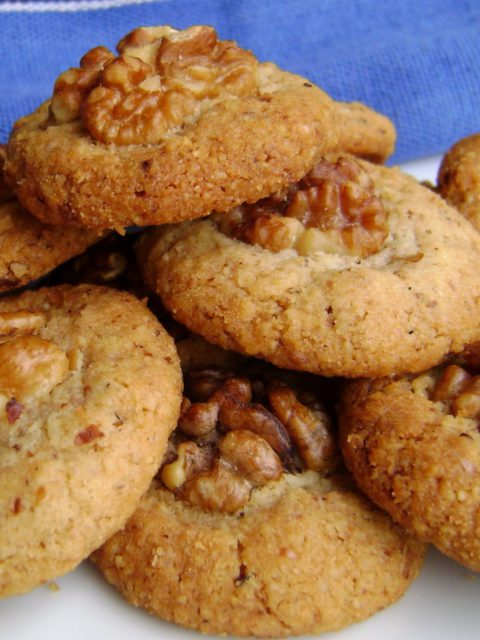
{"type": "Point", "coordinates": [459, 177]}
{"type": "Point", "coordinates": [305, 556]}
{"type": "Point", "coordinates": [78, 453]}
{"type": "Point", "coordinates": [416, 461]}
{"type": "Point", "coordinates": [364, 132]}
{"type": "Point", "coordinates": [29, 248]}
{"type": "Point", "coordinates": [241, 149]}
{"type": "Point", "coordinates": [400, 309]}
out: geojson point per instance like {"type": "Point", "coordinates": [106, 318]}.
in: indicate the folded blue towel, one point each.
{"type": "Point", "coordinates": [417, 61]}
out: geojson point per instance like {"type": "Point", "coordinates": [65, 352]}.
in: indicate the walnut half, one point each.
{"type": "Point", "coordinates": [333, 209]}
{"type": "Point", "coordinates": [162, 79]}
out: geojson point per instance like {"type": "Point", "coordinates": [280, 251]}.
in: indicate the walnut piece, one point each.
{"type": "Point", "coordinates": [162, 79]}
{"type": "Point", "coordinates": [73, 85]}
{"type": "Point", "coordinates": [239, 432]}
{"type": "Point", "coordinates": [459, 391]}
{"type": "Point", "coordinates": [20, 323]}
{"type": "Point", "coordinates": [311, 431]}
{"type": "Point", "coordinates": [251, 457]}
{"type": "Point", "coordinates": [218, 489]}
{"type": "Point", "coordinates": [333, 209]}
{"type": "Point", "coordinates": [31, 367]}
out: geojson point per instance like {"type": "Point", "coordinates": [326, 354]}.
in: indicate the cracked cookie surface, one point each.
{"type": "Point", "coordinates": [288, 552]}
{"type": "Point", "coordinates": [385, 283]}
{"type": "Point", "coordinates": [413, 446]}
{"type": "Point", "coordinates": [90, 389]}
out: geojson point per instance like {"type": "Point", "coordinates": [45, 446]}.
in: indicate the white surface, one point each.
{"type": "Point", "coordinates": [443, 603]}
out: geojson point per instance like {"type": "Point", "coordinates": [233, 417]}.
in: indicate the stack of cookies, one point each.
{"type": "Point", "coordinates": [295, 283]}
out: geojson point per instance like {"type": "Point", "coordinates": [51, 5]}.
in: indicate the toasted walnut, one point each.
{"type": "Point", "coordinates": [31, 366]}
{"type": "Point", "coordinates": [467, 403]}
{"type": "Point", "coordinates": [251, 457]}
{"type": "Point", "coordinates": [202, 384]}
{"type": "Point", "coordinates": [162, 79]}
{"type": "Point", "coordinates": [459, 391]}
{"type": "Point", "coordinates": [334, 209]}
{"type": "Point", "coordinates": [311, 431]}
{"type": "Point", "coordinates": [190, 461]}
{"type": "Point", "coordinates": [198, 419]}
{"type": "Point", "coordinates": [218, 489]}
{"type": "Point", "coordinates": [73, 85]}
{"type": "Point", "coordinates": [235, 388]}
{"type": "Point", "coordinates": [243, 431]}
{"type": "Point", "coordinates": [20, 323]}
{"type": "Point", "coordinates": [452, 381]}
{"type": "Point", "coordinates": [256, 418]}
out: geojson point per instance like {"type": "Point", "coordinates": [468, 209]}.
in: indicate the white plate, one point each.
{"type": "Point", "coordinates": [443, 603]}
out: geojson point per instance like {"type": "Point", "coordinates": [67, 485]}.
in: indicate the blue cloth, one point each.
{"type": "Point", "coordinates": [417, 61]}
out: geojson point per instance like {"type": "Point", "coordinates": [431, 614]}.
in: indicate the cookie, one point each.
{"type": "Point", "coordinates": [364, 132]}
{"type": "Point", "coordinates": [252, 527]}
{"type": "Point", "coordinates": [29, 248]}
{"type": "Point", "coordinates": [413, 446]}
{"type": "Point", "coordinates": [90, 389]}
{"type": "Point", "coordinates": [177, 125]}
{"type": "Point", "coordinates": [459, 177]}
{"type": "Point", "coordinates": [356, 271]}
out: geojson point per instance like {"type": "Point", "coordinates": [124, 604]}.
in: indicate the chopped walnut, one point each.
{"type": "Point", "coordinates": [239, 432]}
{"type": "Point", "coordinates": [14, 410]}
{"type": "Point", "coordinates": [20, 323]}
{"type": "Point", "coordinates": [332, 209]}
{"type": "Point", "coordinates": [31, 367]}
{"type": "Point", "coordinates": [91, 433]}
{"type": "Point", "coordinates": [459, 391]}
{"type": "Point", "coordinates": [162, 79]}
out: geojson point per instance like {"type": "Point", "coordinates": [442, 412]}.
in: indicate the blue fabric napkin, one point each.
{"type": "Point", "coordinates": [416, 61]}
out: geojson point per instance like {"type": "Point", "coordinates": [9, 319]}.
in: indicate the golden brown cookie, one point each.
{"type": "Point", "coordinates": [356, 271]}
{"type": "Point", "coordinates": [90, 389]}
{"type": "Point", "coordinates": [459, 177]}
{"type": "Point", "coordinates": [29, 248]}
{"type": "Point", "coordinates": [364, 132]}
{"type": "Point", "coordinates": [177, 125]}
{"type": "Point", "coordinates": [252, 527]}
{"type": "Point", "coordinates": [413, 446]}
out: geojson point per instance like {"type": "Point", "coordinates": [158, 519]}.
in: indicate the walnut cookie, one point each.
{"type": "Point", "coordinates": [90, 389]}
{"type": "Point", "coordinates": [356, 271]}
{"type": "Point", "coordinates": [413, 446]}
{"type": "Point", "coordinates": [459, 177]}
{"type": "Point", "coordinates": [28, 248]}
{"type": "Point", "coordinates": [177, 125]}
{"type": "Point", "coordinates": [252, 487]}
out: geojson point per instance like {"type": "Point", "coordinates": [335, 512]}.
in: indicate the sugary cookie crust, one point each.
{"type": "Point", "coordinates": [304, 556]}
{"type": "Point", "coordinates": [238, 149]}
{"type": "Point", "coordinates": [459, 177]}
{"type": "Point", "coordinates": [400, 309]}
{"type": "Point", "coordinates": [416, 460]}
{"type": "Point", "coordinates": [76, 456]}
